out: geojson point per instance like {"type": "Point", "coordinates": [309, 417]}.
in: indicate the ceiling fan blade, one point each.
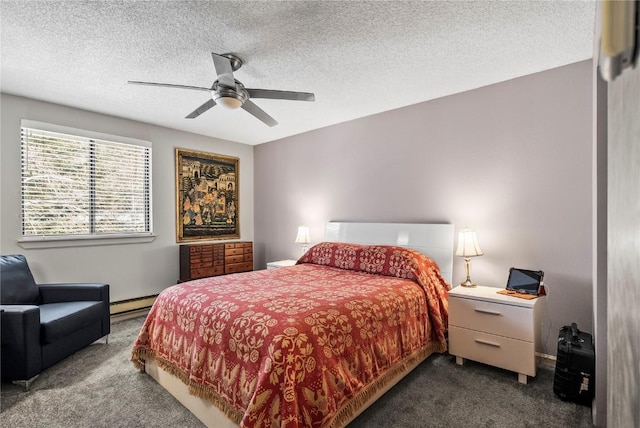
{"type": "Point", "coordinates": [224, 70]}
{"type": "Point", "coordinates": [204, 107]}
{"type": "Point", "coordinates": [169, 85]}
{"type": "Point", "coordinates": [259, 113]}
{"type": "Point", "coordinates": [281, 95]}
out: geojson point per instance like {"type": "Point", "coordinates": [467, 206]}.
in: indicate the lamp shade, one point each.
{"type": "Point", "coordinates": [468, 244]}
{"type": "Point", "coordinates": [230, 103]}
{"type": "Point", "coordinates": [303, 235]}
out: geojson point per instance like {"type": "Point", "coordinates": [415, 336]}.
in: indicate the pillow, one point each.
{"type": "Point", "coordinates": [385, 260]}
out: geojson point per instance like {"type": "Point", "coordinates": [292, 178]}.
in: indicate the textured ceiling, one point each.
{"type": "Point", "coordinates": [359, 58]}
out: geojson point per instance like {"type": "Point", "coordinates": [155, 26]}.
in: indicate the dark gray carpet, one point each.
{"type": "Point", "coordinates": [99, 387]}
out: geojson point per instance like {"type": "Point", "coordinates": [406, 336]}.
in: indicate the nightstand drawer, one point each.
{"type": "Point", "coordinates": [499, 319]}
{"type": "Point", "coordinates": [498, 351]}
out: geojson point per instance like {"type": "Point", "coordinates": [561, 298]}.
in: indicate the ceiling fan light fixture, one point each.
{"type": "Point", "coordinates": [230, 94]}
{"type": "Point", "coordinates": [229, 98]}
{"type": "Point", "coordinates": [230, 103]}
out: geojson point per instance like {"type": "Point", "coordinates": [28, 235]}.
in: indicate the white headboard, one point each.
{"type": "Point", "coordinates": [434, 240]}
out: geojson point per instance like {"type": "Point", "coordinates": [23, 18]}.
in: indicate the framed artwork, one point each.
{"type": "Point", "coordinates": [206, 196]}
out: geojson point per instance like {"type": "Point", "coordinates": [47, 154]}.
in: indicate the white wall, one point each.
{"type": "Point", "coordinates": [131, 270]}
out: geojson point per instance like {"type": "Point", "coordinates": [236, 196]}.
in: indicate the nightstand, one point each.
{"type": "Point", "coordinates": [281, 263]}
{"type": "Point", "coordinates": [495, 329]}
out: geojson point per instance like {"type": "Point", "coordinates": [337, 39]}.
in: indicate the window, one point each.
{"type": "Point", "coordinates": [78, 183]}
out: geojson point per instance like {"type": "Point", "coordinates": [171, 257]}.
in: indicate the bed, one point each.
{"type": "Point", "coordinates": [311, 345]}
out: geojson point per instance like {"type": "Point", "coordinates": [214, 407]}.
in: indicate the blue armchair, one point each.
{"type": "Point", "coordinates": [43, 324]}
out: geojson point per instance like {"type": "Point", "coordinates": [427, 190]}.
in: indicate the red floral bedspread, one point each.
{"type": "Point", "coordinates": [304, 345]}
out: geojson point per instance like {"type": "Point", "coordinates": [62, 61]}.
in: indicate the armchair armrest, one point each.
{"type": "Point", "coordinates": [69, 292]}
{"type": "Point", "coordinates": [80, 291]}
{"type": "Point", "coordinates": [21, 311]}
{"type": "Point", "coordinates": [21, 356]}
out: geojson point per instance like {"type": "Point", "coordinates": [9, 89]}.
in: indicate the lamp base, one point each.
{"type": "Point", "coordinates": [467, 265]}
{"type": "Point", "coordinates": [468, 283]}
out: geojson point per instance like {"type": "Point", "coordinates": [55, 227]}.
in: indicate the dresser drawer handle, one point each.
{"type": "Point", "coordinates": [484, 342]}
{"type": "Point", "coordinates": [484, 311]}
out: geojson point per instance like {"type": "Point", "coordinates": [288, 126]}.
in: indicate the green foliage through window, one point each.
{"type": "Point", "coordinates": [74, 185]}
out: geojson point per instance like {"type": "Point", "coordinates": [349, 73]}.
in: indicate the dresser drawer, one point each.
{"type": "Point", "coordinates": [205, 272]}
{"type": "Point", "coordinates": [238, 245]}
{"type": "Point", "coordinates": [238, 267]}
{"type": "Point", "coordinates": [233, 252]}
{"type": "Point", "coordinates": [516, 322]}
{"type": "Point", "coordinates": [218, 251]}
{"type": "Point", "coordinates": [234, 259]}
{"type": "Point", "coordinates": [199, 264]}
{"type": "Point", "coordinates": [499, 351]}
{"type": "Point", "coordinates": [199, 257]}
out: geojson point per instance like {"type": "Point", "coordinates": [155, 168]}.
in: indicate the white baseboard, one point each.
{"type": "Point", "coordinates": [124, 306]}
{"type": "Point", "coordinates": [132, 308]}
{"type": "Point", "coordinates": [128, 315]}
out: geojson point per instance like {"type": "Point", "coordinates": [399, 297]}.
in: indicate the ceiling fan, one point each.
{"type": "Point", "coordinates": [228, 92]}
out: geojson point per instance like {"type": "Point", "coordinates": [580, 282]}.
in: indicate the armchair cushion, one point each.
{"type": "Point", "coordinates": [58, 320]}
{"type": "Point", "coordinates": [17, 286]}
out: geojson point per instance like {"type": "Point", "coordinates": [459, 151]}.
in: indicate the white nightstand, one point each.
{"type": "Point", "coordinates": [495, 329]}
{"type": "Point", "coordinates": [280, 263]}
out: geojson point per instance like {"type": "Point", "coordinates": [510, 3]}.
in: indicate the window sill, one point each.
{"type": "Point", "coordinates": [83, 241]}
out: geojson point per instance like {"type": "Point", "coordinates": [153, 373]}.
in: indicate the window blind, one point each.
{"type": "Point", "coordinates": [77, 185]}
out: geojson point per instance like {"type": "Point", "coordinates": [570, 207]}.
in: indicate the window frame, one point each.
{"type": "Point", "coordinates": [72, 240]}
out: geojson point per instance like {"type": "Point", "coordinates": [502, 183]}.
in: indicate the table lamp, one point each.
{"type": "Point", "coordinates": [303, 238]}
{"type": "Point", "coordinates": [468, 247]}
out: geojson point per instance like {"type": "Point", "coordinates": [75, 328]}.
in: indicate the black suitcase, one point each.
{"type": "Point", "coordinates": [574, 378]}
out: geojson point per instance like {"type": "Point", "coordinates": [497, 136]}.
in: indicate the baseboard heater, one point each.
{"type": "Point", "coordinates": [132, 305]}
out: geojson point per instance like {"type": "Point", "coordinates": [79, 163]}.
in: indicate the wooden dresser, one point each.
{"type": "Point", "coordinates": [238, 257]}
{"type": "Point", "coordinates": [205, 260]}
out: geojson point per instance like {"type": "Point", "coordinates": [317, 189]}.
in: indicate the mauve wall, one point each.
{"type": "Point", "coordinates": [511, 160]}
